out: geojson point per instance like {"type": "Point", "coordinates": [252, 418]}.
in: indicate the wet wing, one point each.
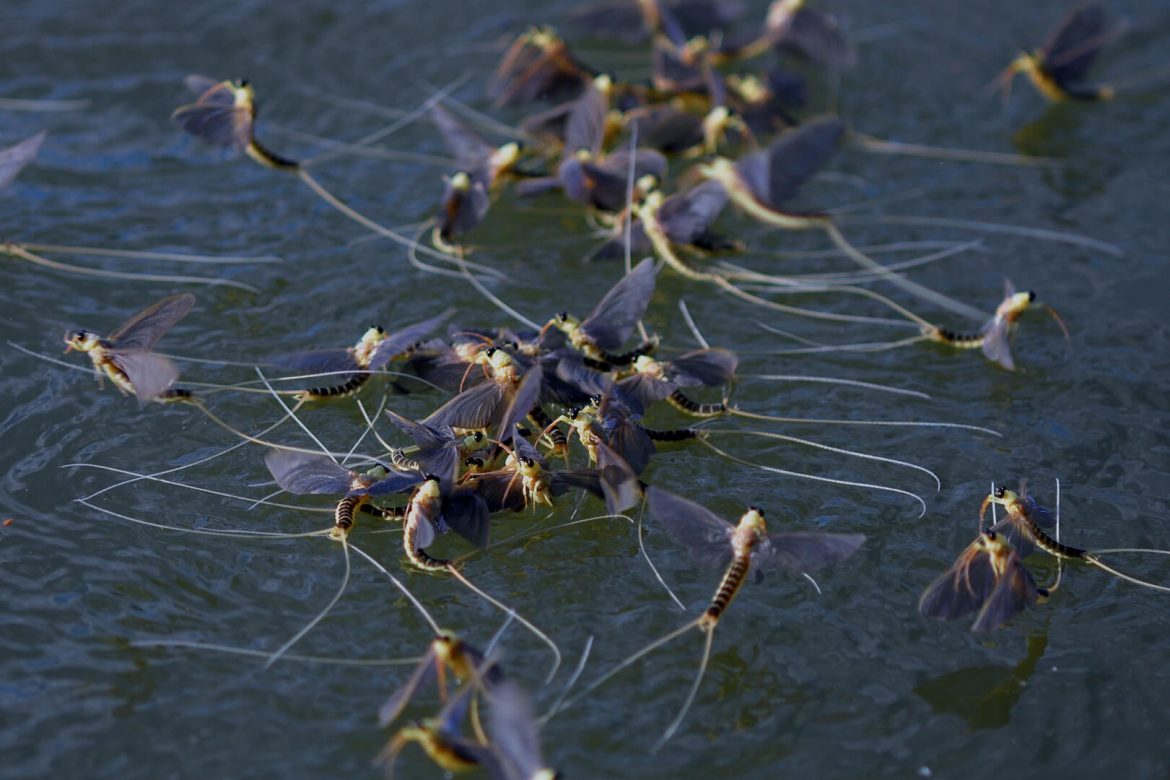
{"type": "Point", "coordinates": [961, 589]}
{"type": "Point", "coordinates": [1073, 46]}
{"type": "Point", "coordinates": [215, 117]}
{"type": "Point", "coordinates": [303, 473]}
{"type": "Point", "coordinates": [398, 342]}
{"type": "Point", "coordinates": [149, 374]}
{"type": "Point", "coordinates": [705, 535]}
{"type": "Point", "coordinates": [997, 345]}
{"type": "Point", "coordinates": [806, 552]}
{"type": "Point", "coordinates": [776, 174]}
{"type": "Point", "coordinates": [1015, 592]}
{"type": "Point", "coordinates": [471, 151]}
{"type": "Point", "coordinates": [687, 216]}
{"type": "Point", "coordinates": [475, 407]}
{"type": "Point", "coordinates": [708, 367]}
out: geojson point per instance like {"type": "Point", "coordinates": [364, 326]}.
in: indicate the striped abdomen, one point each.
{"type": "Point", "coordinates": [679, 434]}
{"type": "Point", "coordinates": [627, 358]}
{"type": "Point", "coordinates": [1050, 545]}
{"type": "Point", "coordinates": [269, 158]}
{"type": "Point", "coordinates": [343, 514]}
{"type": "Point", "coordinates": [351, 385]}
{"type": "Point", "coordinates": [545, 423]}
{"type": "Point", "coordinates": [687, 405]}
{"type": "Point", "coordinates": [732, 581]}
{"type": "Point", "coordinates": [957, 339]}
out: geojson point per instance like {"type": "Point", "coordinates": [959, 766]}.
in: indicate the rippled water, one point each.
{"type": "Point", "coordinates": [849, 683]}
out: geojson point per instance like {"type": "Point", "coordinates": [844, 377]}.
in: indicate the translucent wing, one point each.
{"type": "Point", "coordinates": [585, 126]}
{"type": "Point", "coordinates": [561, 482]}
{"type": "Point", "coordinates": [201, 86]}
{"type": "Point", "coordinates": [424, 534]}
{"type": "Point", "coordinates": [1016, 533]}
{"type": "Point", "coordinates": [303, 473]}
{"type": "Point", "coordinates": [668, 129]}
{"type": "Point", "coordinates": [997, 344]}
{"type": "Point", "coordinates": [399, 341]}
{"type": "Point", "coordinates": [642, 391]}
{"type": "Point", "coordinates": [13, 159]}
{"type": "Point", "coordinates": [438, 451]}
{"type": "Point", "coordinates": [526, 396]}
{"type": "Point", "coordinates": [148, 373]}
{"type": "Point", "coordinates": [394, 482]}
{"type": "Point", "coordinates": [961, 589]}
{"type": "Point", "coordinates": [317, 361]}
{"type": "Point", "coordinates": [619, 483]}
{"type": "Point", "coordinates": [615, 247]}
{"type": "Point", "coordinates": [216, 117]}
{"type": "Point", "coordinates": [631, 442]}
{"type": "Point", "coordinates": [144, 329]}
{"type": "Point", "coordinates": [512, 728]}
{"type": "Point", "coordinates": [423, 674]}
{"type": "Point", "coordinates": [777, 173]}
{"type": "Point", "coordinates": [686, 216]}
{"type": "Point", "coordinates": [806, 552]}
{"type": "Point", "coordinates": [462, 208]}
{"type": "Point", "coordinates": [1074, 44]}
{"type": "Point", "coordinates": [473, 408]}
{"type": "Point", "coordinates": [571, 369]}
{"type": "Point", "coordinates": [499, 489]}
{"type": "Point", "coordinates": [709, 367]}
{"type": "Point", "coordinates": [818, 37]}
{"type": "Point", "coordinates": [467, 514]}
{"type": "Point", "coordinates": [612, 320]}
{"type": "Point", "coordinates": [705, 535]}
{"type": "Point", "coordinates": [471, 151]}
{"type": "Point", "coordinates": [1015, 592]}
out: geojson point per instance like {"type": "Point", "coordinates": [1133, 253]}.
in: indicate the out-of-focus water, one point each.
{"type": "Point", "coordinates": [849, 683]}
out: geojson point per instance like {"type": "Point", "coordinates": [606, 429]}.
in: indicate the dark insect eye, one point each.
{"type": "Point", "coordinates": [528, 462]}
{"type": "Point", "coordinates": [1031, 295]}
{"type": "Point", "coordinates": [999, 492]}
{"type": "Point", "coordinates": [562, 315]}
{"type": "Point", "coordinates": [244, 83]}
{"type": "Point", "coordinates": [478, 436]}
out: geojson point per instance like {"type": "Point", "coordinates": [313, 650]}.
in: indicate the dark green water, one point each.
{"type": "Point", "coordinates": [851, 683]}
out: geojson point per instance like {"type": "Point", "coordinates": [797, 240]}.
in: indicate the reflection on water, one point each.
{"type": "Point", "coordinates": [984, 696]}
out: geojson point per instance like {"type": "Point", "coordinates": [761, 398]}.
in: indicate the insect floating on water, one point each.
{"type": "Point", "coordinates": [1059, 67]}
{"type": "Point", "coordinates": [742, 547]}
{"type": "Point", "coordinates": [125, 355]}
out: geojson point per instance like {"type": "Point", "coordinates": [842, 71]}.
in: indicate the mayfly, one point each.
{"type": "Point", "coordinates": [125, 355]}
{"type": "Point", "coordinates": [1059, 67]}
{"type": "Point", "coordinates": [988, 578]}
{"type": "Point", "coordinates": [302, 473]}
{"type": "Point", "coordinates": [1027, 521]}
{"type": "Point", "coordinates": [538, 66]}
{"type": "Point", "coordinates": [741, 547]}
{"type": "Point", "coordinates": [612, 320]}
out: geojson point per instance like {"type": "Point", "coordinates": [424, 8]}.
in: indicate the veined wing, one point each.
{"type": "Point", "coordinates": [144, 329]}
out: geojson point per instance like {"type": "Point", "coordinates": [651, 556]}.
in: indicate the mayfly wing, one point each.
{"type": "Point", "coordinates": [15, 158]}
{"type": "Point", "coordinates": [473, 408]}
{"type": "Point", "coordinates": [709, 367]}
{"type": "Point", "coordinates": [499, 489]}
{"type": "Point", "coordinates": [526, 396]}
{"type": "Point", "coordinates": [776, 174]}
{"type": "Point", "coordinates": [512, 728]}
{"type": "Point", "coordinates": [818, 37]}
{"type": "Point", "coordinates": [619, 483]}
{"type": "Point", "coordinates": [585, 126]}
{"type": "Point", "coordinates": [401, 340]}
{"type": "Point", "coordinates": [1074, 43]}
{"type": "Point", "coordinates": [304, 473]}
{"type": "Point", "coordinates": [423, 674]}
{"type": "Point", "coordinates": [394, 482]}
{"type": "Point", "coordinates": [997, 344]}
{"type": "Point", "coordinates": [641, 391]}
{"type": "Point", "coordinates": [589, 480]}
{"type": "Point", "coordinates": [615, 248]}
{"type": "Point", "coordinates": [1015, 592]}
{"type": "Point", "coordinates": [963, 588]}
{"type": "Point", "coordinates": [438, 451]}
{"type": "Point", "coordinates": [471, 152]}
{"type": "Point", "coordinates": [149, 374]}
{"type": "Point", "coordinates": [613, 319]}
{"type": "Point", "coordinates": [217, 117]}
{"type": "Point", "coordinates": [201, 86]}
{"type": "Point", "coordinates": [705, 535]}
{"type": "Point", "coordinates": [318, 361]}
{"type": "Point", "coordinates": [686, 216]}
{"type": "Point", "coordinates": [806, 552]}
{"type": "Point", "coordinates": [467, 514]}
{"type": "Point", "coordinates": [144, 329]}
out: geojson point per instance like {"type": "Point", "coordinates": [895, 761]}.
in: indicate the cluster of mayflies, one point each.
{"type": "Point", "coordinates": [525, 417]}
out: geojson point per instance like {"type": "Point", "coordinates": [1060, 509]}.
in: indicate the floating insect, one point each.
{"type": "Point", "coordinates": [1027, 522]}
{"type": "Point", "coordinates": [125, 355]}
{"type": "Point", "coordinates": [988, 578]}
{"type": "Point", "coordinates": [441, 739]}
{"type": "Point", "coordinates": [742, 547]}
{"type": "Point", "coordinates": [538, 66]}
{"type": "Point", "coordinates": [612, 320]}
{"type": "Point", "coordinates": [792, 26]}
{"type": "Point", "coordinates": [303, 473]}
{"type": "Point", "coordinates": [514, 738]}
{"type": "Point", "coordinates": [224, 114]}
{"type": "Point", "coordinates": [996, 335]}
{"type": "Point", "coordinates": [447, 651]}
{"type": "Point", "coordinates": [1059, 67]}
{"type": "Point", "coordinates": [655, 380]}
